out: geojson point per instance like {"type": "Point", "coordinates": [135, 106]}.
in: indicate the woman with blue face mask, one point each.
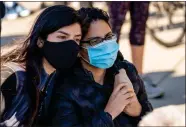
{"type": "Point", "coordinates": [102, 91]}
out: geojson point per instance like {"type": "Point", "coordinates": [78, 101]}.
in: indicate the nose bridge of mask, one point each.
{"type": "Point", "coordinates": [105, 42]}
{"type": "Point", "coordinates": [101, 43]}
{"type": "Point", "coordinates": [105, 48]}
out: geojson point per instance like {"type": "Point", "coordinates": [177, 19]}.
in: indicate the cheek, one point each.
{"type": "Point", "coordinates": [52, 37]}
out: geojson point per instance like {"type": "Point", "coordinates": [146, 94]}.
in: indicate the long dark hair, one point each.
{"type": "Point", "coordinates": [29, 54]}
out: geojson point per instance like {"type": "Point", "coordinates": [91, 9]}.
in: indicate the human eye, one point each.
{"type": "Point", "coordinates": [62, 37]}
{"type": "Point", "coordinates": [110, 36]}
{"type": "Point", "coordinates": [95, 41]}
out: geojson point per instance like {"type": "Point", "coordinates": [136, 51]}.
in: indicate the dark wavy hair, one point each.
{"type": "Point", "coordinates": [29, 54]}
{"type": "Point", "coordinates": [88, 15]}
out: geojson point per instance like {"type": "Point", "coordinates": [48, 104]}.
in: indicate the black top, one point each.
{"type": "Point", "coordinates": [80, 102]}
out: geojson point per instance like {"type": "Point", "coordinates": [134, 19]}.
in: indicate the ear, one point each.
{"type": "Point", "coordinates": [40, 43]}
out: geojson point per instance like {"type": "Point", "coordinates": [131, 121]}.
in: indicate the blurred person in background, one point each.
{"type": "Point", "coordinates": [28, 72]}
{"type": "Point", "coordinates": [14, 10]}
{"type": "Point", "coordinates": [139, 16]}
{"type": "Point", "coordinates": [2, 13]}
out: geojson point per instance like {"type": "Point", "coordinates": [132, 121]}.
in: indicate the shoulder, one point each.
{"type": "Point", "coordinates": [126, 65]}
{"type": "Point", "coordinates": [130, 69]}
{"type": "Point", "coordinates": [12, 67]}
{"type": "Point", "coordinates": [6, 72]}
{"type": "Point", "coordinates": [12, 74]}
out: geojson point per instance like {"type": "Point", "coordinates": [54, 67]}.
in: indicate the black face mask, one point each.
{"type": "Point", "coordinates": [61, 55]}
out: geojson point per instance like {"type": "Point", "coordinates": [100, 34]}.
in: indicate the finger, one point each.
{"type": "Point", "coordinates": [128, 100]}
{"type": "Point", "coordinates": [124, 90]}
{"type": "Point", "coordinates": [128, 95]}
{"type": "Point", "coordinates": [127, 85]}
{"type": "Point", "coordinates": [118, 87]}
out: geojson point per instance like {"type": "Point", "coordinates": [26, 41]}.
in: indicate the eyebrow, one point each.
{"type": "Point", "coordinates": [63, 32]}
{"type": "Point", "coordinates": [99, 37]}
{"type": "Point", "coordinates": [68, 33]}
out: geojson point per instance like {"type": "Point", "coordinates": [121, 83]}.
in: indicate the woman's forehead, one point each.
{"type": "Point", "coordinates": [71, 29]}
{"type": "Point", "coordinates": [98, 28]}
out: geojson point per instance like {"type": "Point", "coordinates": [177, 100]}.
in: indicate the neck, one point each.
{"type": "Point", "coordinates": [48, 67]}
{"type": "Point", "coordinates": [98, 73]}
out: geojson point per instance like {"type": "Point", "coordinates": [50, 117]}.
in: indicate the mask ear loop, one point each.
{"type": "Point", "coordinates": [80, 56]}
{"type": "Point", "coordinates": [83, 47]}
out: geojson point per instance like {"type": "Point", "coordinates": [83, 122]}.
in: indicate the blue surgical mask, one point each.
{"type": "Point", "coordinates": [103, 55]}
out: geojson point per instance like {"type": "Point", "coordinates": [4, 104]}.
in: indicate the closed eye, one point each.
{"type": "Point", "coordinates": [62, 37]}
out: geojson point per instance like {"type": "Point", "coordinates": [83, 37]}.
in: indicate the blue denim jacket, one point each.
{"type": "Point", "coordinates": [14, 99]}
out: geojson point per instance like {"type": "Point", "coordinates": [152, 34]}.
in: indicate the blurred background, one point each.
{"type": "Point", "coordinates": [164, 53]}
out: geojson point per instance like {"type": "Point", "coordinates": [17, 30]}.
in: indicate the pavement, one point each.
{"type": "Point", "coordinates": [165, 66]}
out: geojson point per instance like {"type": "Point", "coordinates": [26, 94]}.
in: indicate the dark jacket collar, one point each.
{"type": "Point", "coordinates": [83, 74]}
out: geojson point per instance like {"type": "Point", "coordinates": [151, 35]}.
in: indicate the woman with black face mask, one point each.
{"type": "Point", "coordinates": [28, 72]}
